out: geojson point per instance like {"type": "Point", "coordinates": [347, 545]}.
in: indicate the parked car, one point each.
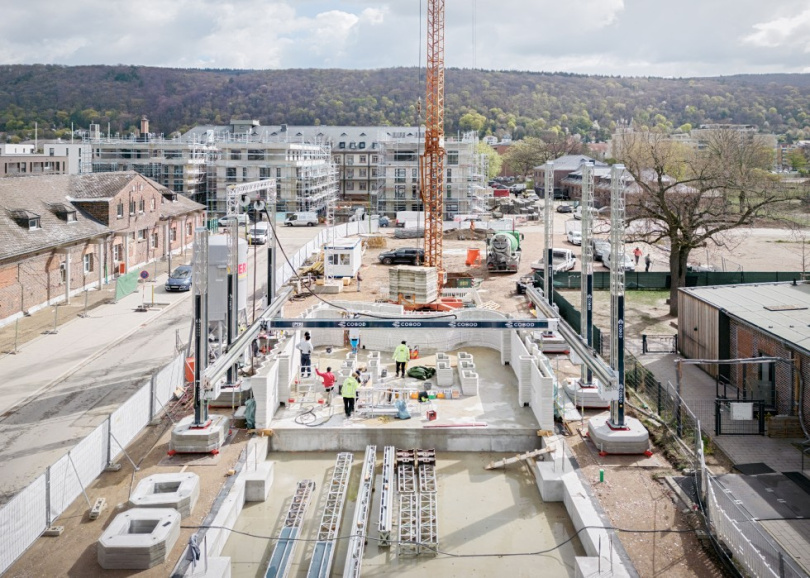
{"type": "Point", "coordinates": [565, 208]}
{"type": "Point", "coordinates": [601, 248]}
{"type": "Point", "coordinates": [241, 219]}
{"type": "Point", "coordinates": [180, 279]}
{"type": "Point", "coordinates": [384, 221]}
{"type": "Point", "coordinates": [301, 219]}
{"type": "Point", "coordinates": [406, 255]}
{"type": "Point", "coordinates": [258, 234]}
{"type": "Point", "coordinates": [574, 237]}
{"type": "Point", "coordinates": [629, 265]}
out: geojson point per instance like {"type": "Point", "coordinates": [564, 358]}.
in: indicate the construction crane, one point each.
{"type": "Point", "coordinates": [432, 168]}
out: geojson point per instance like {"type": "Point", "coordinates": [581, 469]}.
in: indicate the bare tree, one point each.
{"type": "Point", "coordinates": [690, 196]}
{"type": "Point", "coordinates": [524, 155]}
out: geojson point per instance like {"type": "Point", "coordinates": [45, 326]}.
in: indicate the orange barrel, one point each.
{"type": "Point", "coordinates": [473, 255]}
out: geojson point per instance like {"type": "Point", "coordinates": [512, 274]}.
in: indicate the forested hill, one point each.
{"type": "Point", "coordinates": [522, 103]}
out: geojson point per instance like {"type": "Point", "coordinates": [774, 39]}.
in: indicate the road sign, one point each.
{"type": "Point", "coordinates": [144, 274]}
{"type": "Point", "coordinates": [448, 323]}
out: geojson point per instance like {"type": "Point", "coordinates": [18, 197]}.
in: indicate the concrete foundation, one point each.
{"type": "Point", "coordinates": [258, 482]}
{"type": "Point", "coordinates": [178, 491]}
{"type": "Point", "coordinates": [139, 539]}
{"type": "Point", "coordinates": [633, 439]}
{"type": "Point", "coordinates": [189, 440]}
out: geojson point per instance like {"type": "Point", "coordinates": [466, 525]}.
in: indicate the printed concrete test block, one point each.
{"type": "Point", "coordinates": [139, 539]}
{"type": "Point", "coordinates": [189, 440]}
{"type": "Point", "coordinates": [258, 482]}
{"type": "Point", "coordinates": [176, 490]}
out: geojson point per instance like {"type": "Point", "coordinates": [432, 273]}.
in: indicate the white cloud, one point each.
{"type": "Point", "coordinates": [781, 32]}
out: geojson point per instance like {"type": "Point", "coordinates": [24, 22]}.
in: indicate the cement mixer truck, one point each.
{"type": "Point", "coordinates": [503, 252]}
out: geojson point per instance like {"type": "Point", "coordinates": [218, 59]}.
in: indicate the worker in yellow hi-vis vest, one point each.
{"type": "Point", "coordinates": [401, 355]}
{"type": "Point", "coordinates": [349, 392]}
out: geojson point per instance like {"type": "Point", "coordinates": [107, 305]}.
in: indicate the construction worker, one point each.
{"type": "Point", "coordinates": [401, 355]}
{"type": "Point", "coordinates": [349, 392]}
{"type": "Point", "coordinates": [328, 383]}
{"type": "Point", "coordinates": [305, 347]}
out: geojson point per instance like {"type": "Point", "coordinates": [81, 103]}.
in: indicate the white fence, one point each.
{"type": "Point", "coordinates": [29, 513]}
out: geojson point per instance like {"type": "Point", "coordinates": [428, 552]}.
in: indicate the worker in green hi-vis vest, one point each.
{"type": "Point", "coordinates": [401, 355]}
{"type": "Point", "coordinates": [349, 391]}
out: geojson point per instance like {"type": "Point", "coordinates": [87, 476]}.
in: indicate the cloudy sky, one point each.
{"type": "Point", "coordinates": [617, 37]}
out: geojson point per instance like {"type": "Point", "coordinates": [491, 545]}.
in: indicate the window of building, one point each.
{"type": "Point", "coordinates": [349, 159]}
{"type": "Point", "coordinates": [341, 145]}
{"type": "Point", "coordinates": [414, 175]}
{"type": "Point", "coordinates": [264, 172]}
{"type": "Point", "coordinates": [132, 207]}
{"type": "Point", "coordinates": [399, 175]}
{"type": "Point", "coordinates": [449, 175]}
{"type": "Point", "coordinates": [449, 191]}
{"type": "Point", "coordinates": [362, 145]}
{"type": "Point", "coordinates": [119, 210]}
{"type": "Point", "coordinates": [452, 157]}
{"type": "Point", "coordinates": [63, 272]}
{"type": "Point", "coordinates": [189, 229]}
{"type": "Point", "coordinates": [399, 191]}
{"type": "Point", "coordinates": [236, 155]}
{"type": "Point", "coordinates": [154, 244]}
{"type": "Point", "coordinates": [363, 173]}
{"type": "Point", "coordinates": [349, 173]}
{"type": "Point", "coordinates": [350, 186]}
{"type": "Point", "coordinates": [34, 223]}
{"type": "Point", "coordinates": [375, 159]}
{"type": "Point", "coordinates": [141, 206]}
{"type": "Point", "coordinates": [363, 185]}
{"type": "Point", "coordinates": [87, 262]}
{"type": "Point", "coordinates": [230, 174]}
{"type": "Point", "coordinates": [352, 145]}
{"type": "Point", "coordinates": [244, 173]}
{"type": "Point", "coordinates": [255, 155]}
{"type": "Point", "coordinates": [173, 234]}
{"type": "Point", "coordinates": [118, 250]}
{"type": "Point", "coordinates": [363, 159]}
{"type": "Point", "coordinates": [70, 216]}
{"type": "Point", "coordinates": [152, 204]}
{"type": "Point", "coordinates": [278, 172]}
{"type": "Point", "coordinates": [142, 234]}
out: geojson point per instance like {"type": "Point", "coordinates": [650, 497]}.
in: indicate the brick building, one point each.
{"type": "Point", "coordinates": [755, 320]}
{"type": "Point", "coordinates": [62, 234]}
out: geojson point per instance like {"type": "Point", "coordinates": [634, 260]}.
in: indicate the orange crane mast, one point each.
{"type": "Point", "coordinates": [432, 169]}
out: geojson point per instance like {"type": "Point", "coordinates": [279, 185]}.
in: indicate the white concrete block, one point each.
{"type": "Point", "coordinates": [138, 539]}
{"type": "Point", "coordinates": [258, 482]}
{"type": "Point", "coordinates": [175, 490]}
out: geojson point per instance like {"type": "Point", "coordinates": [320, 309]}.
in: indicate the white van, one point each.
{"type": "Point", "coordinates": [562, 260]}
{"type": "Point", "coordinates": [258, 233]}
{"type": "Point", "coordinates": [303, 219]}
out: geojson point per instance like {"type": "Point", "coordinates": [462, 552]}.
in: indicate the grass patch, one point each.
{"type": "Point", "coordinates": [646, 298]}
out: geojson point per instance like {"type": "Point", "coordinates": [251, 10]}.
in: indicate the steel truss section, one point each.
{"type": "Point", "coordinates": [387, 496]}
{"type": "Point", "coordinates": [357, 543]}
{"type": "Point", "coordinates": [406, 479]}
{"type": "Point", "coordinates": [323, 555]}
{"type": "Point", "coordinates": [617, 211]}
{"type": "Point", "coordinates": [408, 525]}
{"type": "Point", "coordinates": [427, 478]}
{"type": "Point", "coordinates": [586, 264]}
{"type": "Point", "coordinates": [281, 559]}
{"type": "Point", "coordinates": [428, 523]}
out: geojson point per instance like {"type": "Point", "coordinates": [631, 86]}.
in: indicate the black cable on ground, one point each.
{"type": "Point", "coordinates": [309, 418]}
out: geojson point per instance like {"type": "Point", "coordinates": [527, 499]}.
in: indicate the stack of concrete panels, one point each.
{"type": "Point", "coordinates": [444, 371]}
{"type": "Point", "coordinates": [173, 490]}
{"type": "Point", "coordinates": [468, 377]}
{"type": "Point", "coordinates": [139, 539]}
{"type": "Point", "coordinates": [374, 365]}
{"type": "Point", "coordinates": [418, 284]}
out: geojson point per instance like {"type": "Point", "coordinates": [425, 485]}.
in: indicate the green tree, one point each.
{"type": "Point", "coordinates": [494, 160]}
{"type": "Point", "coordinates": [524, 155]}
{"type": "Point", "coordinates": [472, 121]}
{"type": "Point", "coordinates": [689, 197]}
{"type": "Point", "coordinates": [797, 160]}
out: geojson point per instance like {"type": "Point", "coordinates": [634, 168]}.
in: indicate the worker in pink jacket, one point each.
{"type": "Point", "coordinates": [328, 382]}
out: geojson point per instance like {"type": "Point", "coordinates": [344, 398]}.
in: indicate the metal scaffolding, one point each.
{"type": "Point", "coordinates": [586, 304]}
{"type": "Point", "coordinates": [357, 543]}
{"type": "Point", "coordinates": [281, 559]}
{"type": "Point", "coordinates": [408, 525]}
{"type": "Point", "coordinates": [617, 290]}
{"type": "Point", "coordinates": [428, 524]}
{"type": "Point", "coordinates": [387, 496]}
{"type": "Point", "coordinates": [323, 555]}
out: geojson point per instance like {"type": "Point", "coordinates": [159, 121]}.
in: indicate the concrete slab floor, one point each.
{"type": "Point", "coordinates": [480, 512]}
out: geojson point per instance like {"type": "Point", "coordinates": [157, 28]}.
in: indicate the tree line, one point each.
{"type": "Point", "coordinates": [519, 104]}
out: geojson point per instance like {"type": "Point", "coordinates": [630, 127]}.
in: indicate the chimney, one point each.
{"type": "Point", "coordinates": [144, 126]}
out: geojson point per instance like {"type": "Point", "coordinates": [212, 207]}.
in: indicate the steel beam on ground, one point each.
{"type": "Point", "coordinates": [387, 496]}
{"type": "Point", "coordinates": [428, 523]}
{"type": "Point", "coordinates": [408, 525]}
{"type": "Point", "coordinates": [427, 478]}
{"type": "Point", "coordinates": [323, 555]}
{"type": "Point", "coordinates": [282, 556]}
{"type": "Point", "coordinates": [357, 543]}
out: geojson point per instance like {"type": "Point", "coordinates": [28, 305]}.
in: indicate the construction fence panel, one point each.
{"type": "Point", "coordinates": [22, 520]}
{"type": "Point", "coordinates": [166, 381]}
{"type": "Point", "coordinates": [129, 419]}
{"type": "Point", "coordinates": [77, 469]}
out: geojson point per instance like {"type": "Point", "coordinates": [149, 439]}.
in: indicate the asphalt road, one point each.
{"type": "Point", "coordinates": [61, 387]}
